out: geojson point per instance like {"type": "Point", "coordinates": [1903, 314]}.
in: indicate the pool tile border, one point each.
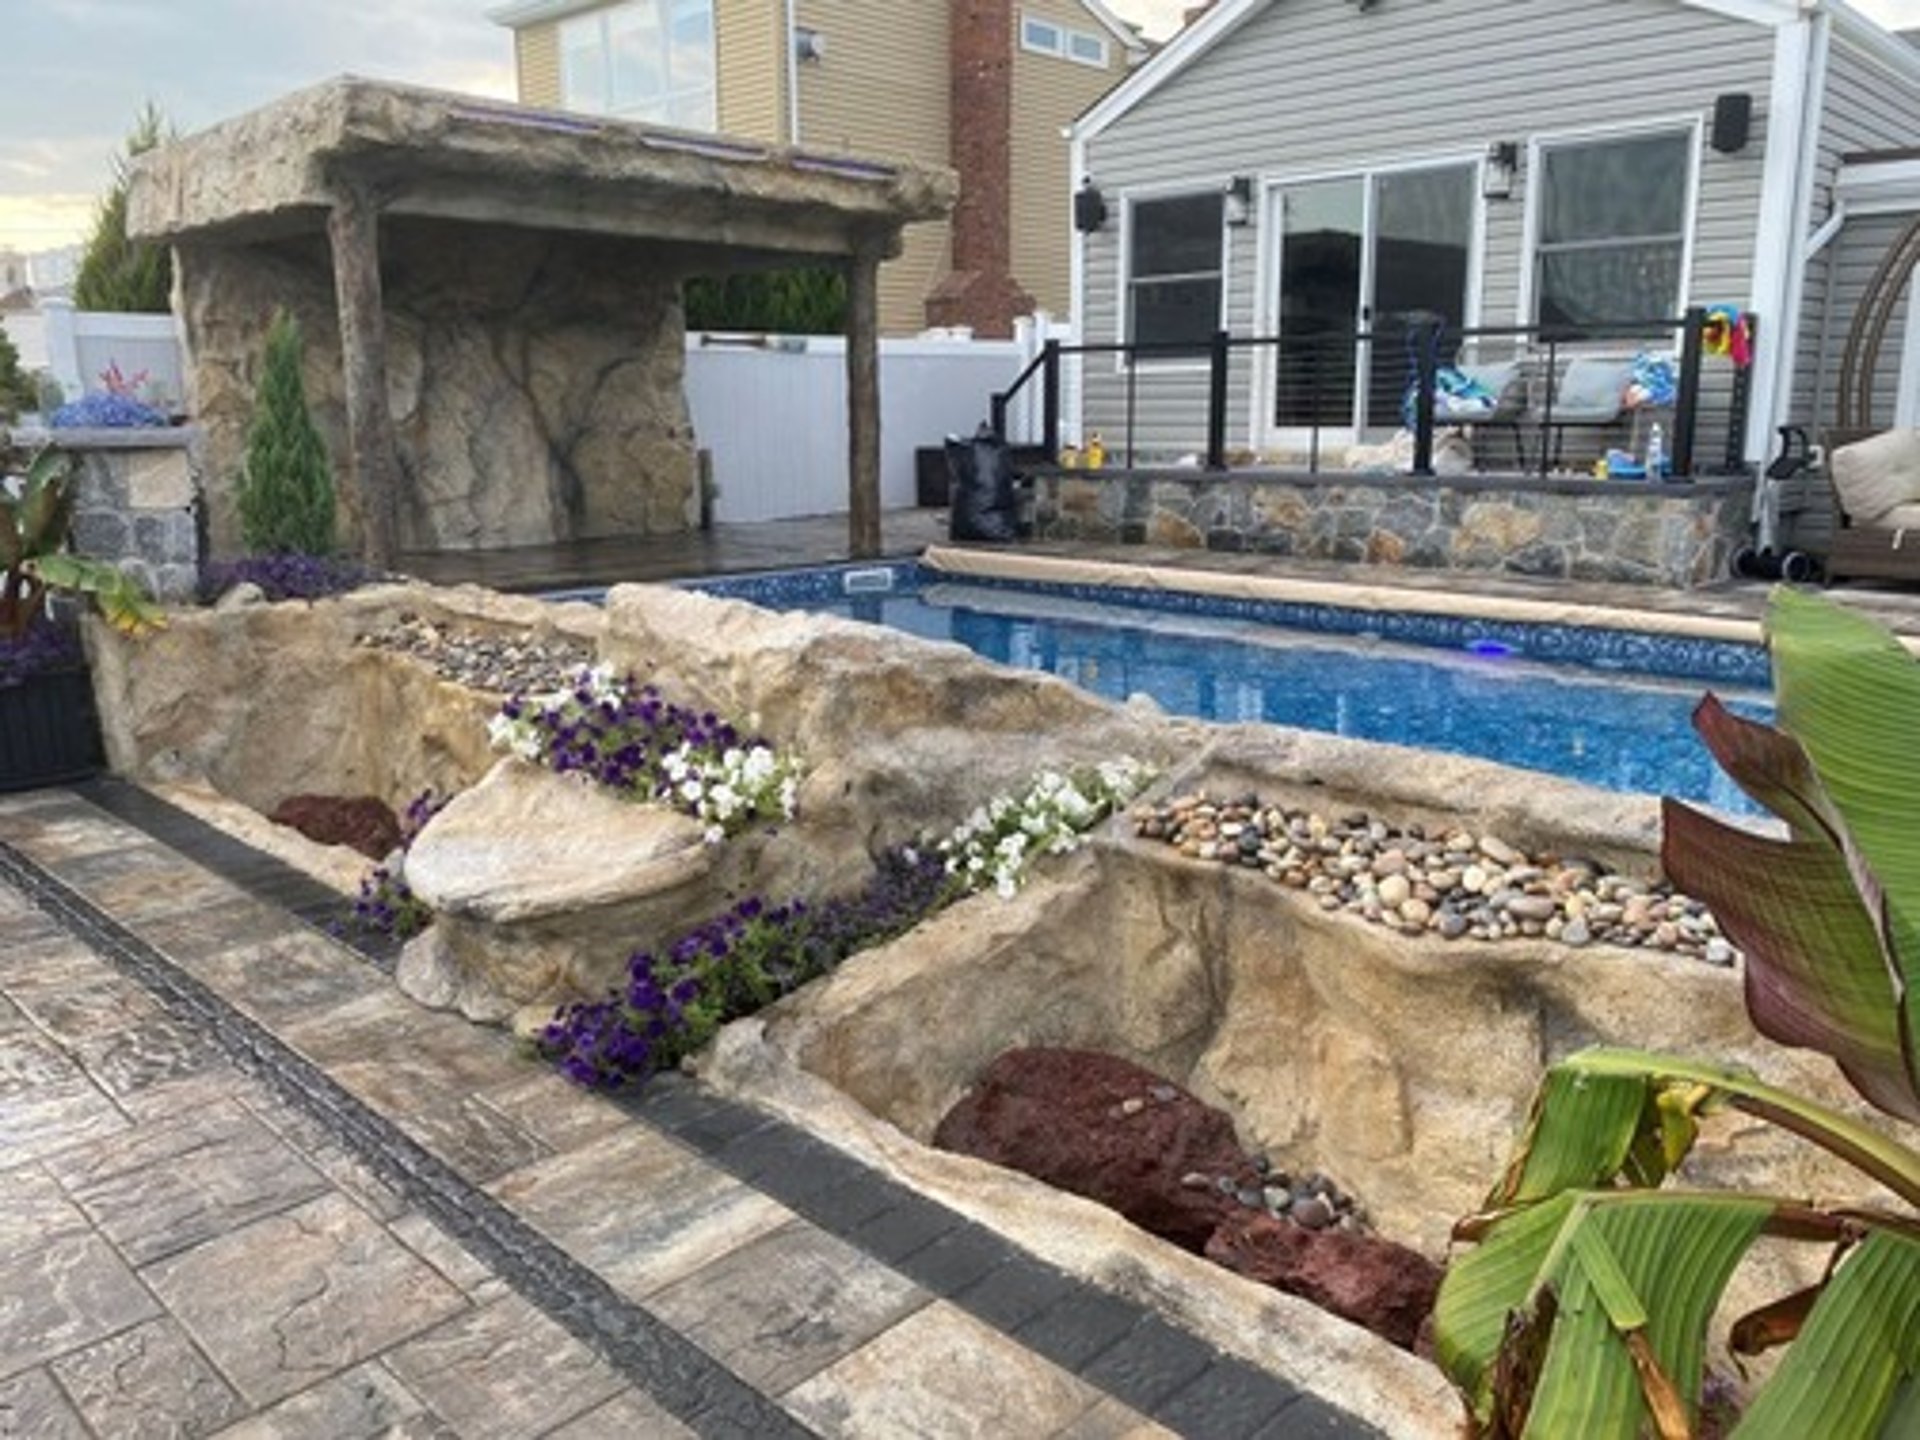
{"type": "Point", "coordinates": [1588, 646]}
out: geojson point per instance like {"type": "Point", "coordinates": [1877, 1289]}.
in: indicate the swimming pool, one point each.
{"type": "Point", "coordinates": [1608, 707]}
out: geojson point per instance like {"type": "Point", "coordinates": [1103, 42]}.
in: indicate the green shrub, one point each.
{"type": "Point", "coordinates": [17, 389]}
{"type": "Point", "coordinates": [782, 302]}
{"type": "Point", "coordinates": [286, 496]}
{"type": "Point", "coordinates": [116, 273]}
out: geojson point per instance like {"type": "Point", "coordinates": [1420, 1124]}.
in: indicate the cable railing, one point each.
{"type": "Point", "coordinates": [1530, 382]}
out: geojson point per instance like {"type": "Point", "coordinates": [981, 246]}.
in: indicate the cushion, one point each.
{"type": "Point", "coordinates": [1872, 476]}
{"type": "Point", "coordinates": [1592, 390]}
{"type": "Point", "coordinates": [1901, 517]}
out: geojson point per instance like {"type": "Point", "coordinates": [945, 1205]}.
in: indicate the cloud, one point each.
{"type": "Point", "coordinates": [30, 223]}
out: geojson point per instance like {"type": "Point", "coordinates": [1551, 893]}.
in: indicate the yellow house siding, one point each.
{"type": "Point", "coordinates": [748, 36]}
{"type": "Point", "coordinates": [1048, 93]}
{"type": "Point", "coordinates": [536, 55]}
{"type": "Point", "coordinates": [881, 90]}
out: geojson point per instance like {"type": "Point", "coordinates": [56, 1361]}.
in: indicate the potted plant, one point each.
{"type": "Point", "coordinates": [49, 733]}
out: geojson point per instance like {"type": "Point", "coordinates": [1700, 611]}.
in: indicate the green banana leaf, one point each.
{"type": "Point", "coordinates": [1583, 1309]}
{"type": "Point", "coordinates": [1854, 1373]}
{"type": "Point", "coordinates": [1822, 915]}
{"type": "Point", "coordinates": [121, 601]}
{"type": "Point", "coordinates": [1601, 1299]}
{"type": "Point", "coordinates": [1849, 691]}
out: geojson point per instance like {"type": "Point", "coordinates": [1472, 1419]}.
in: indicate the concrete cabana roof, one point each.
{"type": "Point", "coordinates": [432, 154]}
{"type": "Point", "coordinates": [339, 159]}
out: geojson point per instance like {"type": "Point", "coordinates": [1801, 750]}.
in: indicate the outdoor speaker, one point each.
{"type": "Point", "coordinates": [1732, 115]}
{"type": "Point", "coordinates": [1089, 209]}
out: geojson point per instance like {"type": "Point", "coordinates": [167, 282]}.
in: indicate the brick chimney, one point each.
{"type": "Point", "coordinates": [981, 291]}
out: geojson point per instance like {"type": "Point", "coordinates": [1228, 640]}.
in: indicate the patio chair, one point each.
{"type": "Point", "coordinates": [1876, 492]}
{"type": "Point", "coordinates": [1590, 394]}
{"type": "Point", "coordinates": [1506, 381]}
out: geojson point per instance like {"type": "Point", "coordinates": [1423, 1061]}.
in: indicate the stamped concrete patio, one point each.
{"type": "Point", "coordinates": [248, 1189]}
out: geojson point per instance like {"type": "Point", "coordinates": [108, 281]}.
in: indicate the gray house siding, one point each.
{"type": "Point", "coordinates": [1866, 107]}
{"type": "Point", "coordinates": [1311, 87]}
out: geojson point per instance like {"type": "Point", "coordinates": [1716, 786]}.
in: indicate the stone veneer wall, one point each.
{"type": "Point", "coordinates": [1677, 534]}
{"type": "Point", "coordinates": [137, 504]}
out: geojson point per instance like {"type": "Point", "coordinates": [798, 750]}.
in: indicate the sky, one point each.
{"type": "Point", "coordinates": [79, 71]}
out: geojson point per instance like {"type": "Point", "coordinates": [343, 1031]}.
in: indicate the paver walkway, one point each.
{"type": "Point", "coordinates": [248, 1189]}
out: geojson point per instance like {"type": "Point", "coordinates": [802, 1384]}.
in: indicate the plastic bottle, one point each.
{"type": "Point", "coordinates": [1096, 451]}
{"type": "Point", "coordinates": [1656, 454]}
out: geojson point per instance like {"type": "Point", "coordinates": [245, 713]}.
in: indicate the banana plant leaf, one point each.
{"type": "Point", "coordinates": [1823, 915]}
{"type": "Point", "coordinates": [121, 601]}
{"type": "Point", "coordinates": [1583, 1309]}
{"type": "Point", "coordinates": [1854, 1373]}
{"type": "Point", "coordinates": [1623, 1283]}
{"type": "Point", "coordinates": [1850, 693]}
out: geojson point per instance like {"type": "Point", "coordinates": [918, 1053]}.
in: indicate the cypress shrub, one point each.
{"type": "Point", "coordinates": [115, 273]}
{"type": "Point", "coordinates": [286, 495]}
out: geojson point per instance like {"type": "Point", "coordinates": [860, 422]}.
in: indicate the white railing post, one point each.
{"type": "Point", "coordinates": [63, 346]}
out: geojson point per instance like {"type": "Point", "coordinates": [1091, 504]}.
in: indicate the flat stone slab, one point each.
{"type": "Point", "coordinates": [526, 844]}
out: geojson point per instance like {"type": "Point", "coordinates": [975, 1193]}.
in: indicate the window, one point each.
{"type": "Point", "coordinates": [648, 60]}
{"type": "Point", "coordinates": [1612, 229]}
{"type": "Point", "coordinates": [1173, 271]}
{"type": "Point", "coordinates": [1043, 37]}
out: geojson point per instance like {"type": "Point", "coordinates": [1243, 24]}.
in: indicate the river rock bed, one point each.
{"type": "Point", "coordinates": [1452, 884]}
{"type": "Point", "coordinates": [501, 664]}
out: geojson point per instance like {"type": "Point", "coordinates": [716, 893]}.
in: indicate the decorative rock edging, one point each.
{"type": "Point", "coordinates": [1453, 883]}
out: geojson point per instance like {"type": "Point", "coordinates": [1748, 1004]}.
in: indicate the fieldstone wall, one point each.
{"type": "Point", "coordinates": [137, 504]}
{"type": "Point", "coordinates": [1674, 535]}
{"type": "Point", "coordinates": [535, 378]}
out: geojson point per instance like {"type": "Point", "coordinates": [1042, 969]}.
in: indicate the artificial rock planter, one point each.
{"type": "Point", "coordinates": [49, 731]}
{"type": "Point", "coordinates": [543, 885]}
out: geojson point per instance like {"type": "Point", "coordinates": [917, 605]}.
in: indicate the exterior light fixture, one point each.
{"type": "Point", "coordinates": [1240, 200]}
{"type": "Point", "coordinates": [809, 44]}
{"type": "Point", "coordinates": [1502, 164]}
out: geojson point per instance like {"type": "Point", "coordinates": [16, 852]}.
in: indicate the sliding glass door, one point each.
{"type": "Point", "coordinates": [1362, 260]}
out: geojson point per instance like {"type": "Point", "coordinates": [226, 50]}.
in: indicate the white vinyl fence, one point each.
{"type": "Point", "coordinates": [771, 409]}
{"type": "Point", "coordinates": [773, 413]}
{"type": "Point", "coordinates": [78, 347]}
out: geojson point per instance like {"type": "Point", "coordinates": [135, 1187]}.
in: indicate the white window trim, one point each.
{"type": "Point", "coordinates": [602, 22]}
{"type": "Point", "coordinates": [1064, 50]}
{"type": "Point", "coordinates": [1123, 309]}
{"type": "Point", "coordinates": [1266, 294]}
{"type": "Point", "coordinates": [1693, 126]}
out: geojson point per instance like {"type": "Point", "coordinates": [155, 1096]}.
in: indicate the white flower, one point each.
{"type": "Point", "coordinates": [714, 834]}
{"type": "Point", "coordinates": [691, 791]}
{"type": "Point", "coordinates": [1004, 885]}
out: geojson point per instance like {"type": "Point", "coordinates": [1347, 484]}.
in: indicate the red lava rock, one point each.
{"type": "Point", "coordinates": [1363, 1278]}
{"type": "Point", "coordinates": [362, 821]}
{"type": "Point", "coordinates": [1063, 1116]}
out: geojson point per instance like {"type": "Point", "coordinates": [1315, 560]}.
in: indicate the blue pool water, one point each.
{"type": "Point", "coordinates": [1610, 708]}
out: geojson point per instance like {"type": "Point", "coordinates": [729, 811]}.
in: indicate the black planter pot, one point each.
{"type": "Point", "coordinates": [49, 732]}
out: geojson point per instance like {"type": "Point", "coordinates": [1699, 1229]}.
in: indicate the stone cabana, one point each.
{"type": "Point", "coordinates": [490, 300]}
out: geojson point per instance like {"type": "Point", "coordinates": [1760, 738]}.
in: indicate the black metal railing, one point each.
{"type": "Point", "coordinates": [1389, 375]}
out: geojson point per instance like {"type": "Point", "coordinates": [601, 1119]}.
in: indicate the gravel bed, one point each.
{"type": "Point", "coordinates": [1455, 884]}
{"type": "Point", "coordinates": [501, 664]}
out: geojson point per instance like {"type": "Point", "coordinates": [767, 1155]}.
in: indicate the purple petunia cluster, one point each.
{"type": "Point", "coordinates": [285, 577]}
{"type": "Point", "coordinates": [47, 646]}
{"type": "Point", "coordinates": [610, 730]}
{"type": "Point", "coordinates": [386, 905]}
{"type": "Point", "coordinates": [734, 964]}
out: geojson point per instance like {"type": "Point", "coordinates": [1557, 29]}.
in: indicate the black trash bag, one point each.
{"type": "Point", "coordinates": [980, 480]}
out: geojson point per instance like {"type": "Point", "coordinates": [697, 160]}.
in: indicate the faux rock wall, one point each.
{"type": "Point", "coordinates": [1674, 535]}
{"type": "Point", "coordinates": [535, 380]}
